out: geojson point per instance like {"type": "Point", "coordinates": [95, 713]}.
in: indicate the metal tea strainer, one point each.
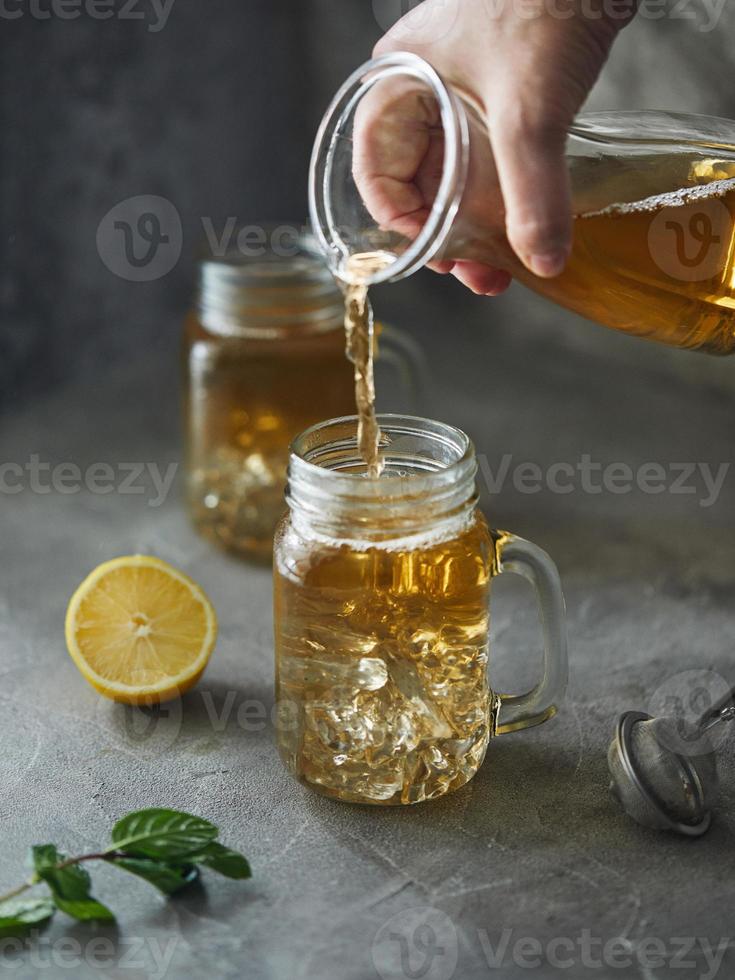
{"type": "Point", "coordinates": [664, 770]}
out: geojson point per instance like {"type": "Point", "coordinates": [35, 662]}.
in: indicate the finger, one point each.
{"type": "Point", "coordinates": [397, 155]}
{"type": "Point", "coordinates": [442, 267]}
{"type": "Point", "coordinates": [534, 179]}
{"type": "Point", "coordinates": [482, 279]}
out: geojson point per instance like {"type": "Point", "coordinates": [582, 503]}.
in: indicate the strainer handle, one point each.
{"type": "Point", "coordinates": [722, 710]}
{"type": "Point", "coordinates": [519, 711]}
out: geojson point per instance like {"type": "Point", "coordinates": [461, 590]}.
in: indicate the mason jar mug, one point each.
{"type": "Point", "coordinates": [382, 591]}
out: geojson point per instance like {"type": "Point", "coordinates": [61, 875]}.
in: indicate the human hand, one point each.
{"type": "Point", "coordinates": [529, 75]}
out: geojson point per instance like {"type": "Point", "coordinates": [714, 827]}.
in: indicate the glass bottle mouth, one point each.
{"type": "Point", "coordinates": [271, 282]}
{"type": "Point", "coordinates": [427, 486]}
{"type": "Point", "coordinates": [341, 222]}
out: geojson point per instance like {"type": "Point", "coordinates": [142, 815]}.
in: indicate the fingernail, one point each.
{"type": "Point", "coordinates": [549, 264]}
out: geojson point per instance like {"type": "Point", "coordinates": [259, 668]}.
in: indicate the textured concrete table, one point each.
{"type": "Point", "coordinates": [531, 868]}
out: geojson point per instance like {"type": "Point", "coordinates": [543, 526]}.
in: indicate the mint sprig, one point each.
{"type": "Point", "coordinates": [165, 847]}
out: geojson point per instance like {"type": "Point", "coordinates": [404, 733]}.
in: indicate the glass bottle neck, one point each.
{"type": "Point", "coordinates": [426, 492]}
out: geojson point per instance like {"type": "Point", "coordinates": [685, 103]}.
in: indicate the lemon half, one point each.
{"type": "Point", "coordinates": [139, 630]}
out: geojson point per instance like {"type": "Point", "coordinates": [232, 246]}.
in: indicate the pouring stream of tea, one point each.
{"type": "Point", "coordinates": [356, 275]}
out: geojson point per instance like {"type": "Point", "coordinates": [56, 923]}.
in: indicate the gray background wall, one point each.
{"type": "Point", "coordinates": [216, 112]}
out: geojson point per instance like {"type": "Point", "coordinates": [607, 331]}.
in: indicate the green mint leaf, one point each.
{"type": "Point", "coordinates": [72, 883]}
{"type": "Point", "coordinates": [18, 917]}
{"type": "Point", "coordinates": [161, 834]}
{"type": "Point", "coordinates": [84, 909]}
{"type": "Point", "coordinates": [44, 856]}
{"type": "Point", "coordinates": [222, 860]}
{"type": "Point", "coordinates": [167, 877]}
{"type": "Point", "coordinates": [70, 887]}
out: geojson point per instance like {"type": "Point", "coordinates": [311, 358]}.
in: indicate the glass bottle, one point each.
{"type": "Point", "coordinates": [653, 195]}
{"type": "Point", "coordinates": [381, 616]}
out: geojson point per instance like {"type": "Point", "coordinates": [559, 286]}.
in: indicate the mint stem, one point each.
{"type": "Point", "coordinates": [100, 856]}
{"type": "Point", "coordinates": [19, 890]}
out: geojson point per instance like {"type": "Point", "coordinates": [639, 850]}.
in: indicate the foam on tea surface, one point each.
{"type": "Point", "coordinates": [672, 199]}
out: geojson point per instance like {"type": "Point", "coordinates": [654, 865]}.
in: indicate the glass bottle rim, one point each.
{"type": "Point", "coordinates": [438, 225]}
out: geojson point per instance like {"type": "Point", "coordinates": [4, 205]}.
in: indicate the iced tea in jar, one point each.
{"type": "Point", "coordinates": [382, 589]}
{"type": "Point", "coordinates": [263, 358]}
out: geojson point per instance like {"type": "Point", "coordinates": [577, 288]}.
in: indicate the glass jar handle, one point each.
{"type": "Point", "coordinates": [519, 711]}
{"type": "Point", "coordinates": [398, 349]}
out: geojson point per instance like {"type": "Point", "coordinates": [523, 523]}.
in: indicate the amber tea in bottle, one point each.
{"type": "Point", "coordinates": [661, 266]}
{"type": "Point", "coordinates": [653, 197]}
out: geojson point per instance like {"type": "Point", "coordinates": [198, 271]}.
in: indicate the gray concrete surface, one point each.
{"type": "Point", "coordinates": [533, 848]}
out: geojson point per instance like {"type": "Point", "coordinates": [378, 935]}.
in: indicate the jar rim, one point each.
{"type": "Point", "coordinates": [428, 484]}
{"type": "Point", "coordinates": [314, 440]}
{"type": "Point", "coordinates": [267, 290]}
